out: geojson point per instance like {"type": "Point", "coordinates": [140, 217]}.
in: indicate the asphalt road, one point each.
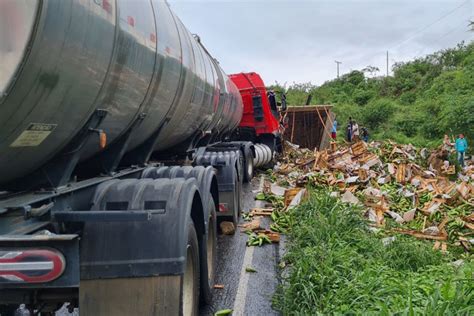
{"type": "Point", "coordinates": [245, 293]}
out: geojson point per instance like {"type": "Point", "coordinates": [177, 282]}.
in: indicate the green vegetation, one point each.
{"type": "Point", "coordinates": [336, 265]}
{"type": "Point", "coordinates": [422, 100]}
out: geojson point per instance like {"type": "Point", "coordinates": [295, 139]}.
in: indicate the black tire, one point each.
{"type": "Point", "coordinates": [248, 166]}
{"type": "Point", "coordinates": [191, 274]}
{"type": "Point", "coordinates": [209, 256]}
{"type": "Point", "coordinates": [237, 200]}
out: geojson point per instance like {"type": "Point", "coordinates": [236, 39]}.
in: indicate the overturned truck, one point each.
{"type": "Point", "coordinates": [309, 126]}
{"type": "Point", "coordinates": [120, 148]}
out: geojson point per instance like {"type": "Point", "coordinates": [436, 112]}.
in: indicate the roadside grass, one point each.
{"type": "Point", "coordinates": [335, 265]}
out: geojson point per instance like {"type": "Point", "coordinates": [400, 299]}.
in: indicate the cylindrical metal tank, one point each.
{"type": "Point", "coordinates": [60, 60]}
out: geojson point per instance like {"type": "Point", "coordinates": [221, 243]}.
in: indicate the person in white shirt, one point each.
{"type": "Point", "coordinates": [355, 131]}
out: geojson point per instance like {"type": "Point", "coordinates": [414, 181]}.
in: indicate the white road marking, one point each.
{"type": "Point", "coordinates": [240, 297]}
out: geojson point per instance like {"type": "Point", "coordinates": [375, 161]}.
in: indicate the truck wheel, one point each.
{"type": "Point", "coordinates": [209, 257]}
{"type": "Point", "coordinates": [248, 167]}
{"type": "Point", "coordinates": [237, 200]}
{"type": "Point", "coordinates": [190, 286]}
{"type": "Point", "coordinates": [155, 295]}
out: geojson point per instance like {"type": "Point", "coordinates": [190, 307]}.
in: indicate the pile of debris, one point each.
{"type": "Point", "coordinates": [277, 202]}
{"type": "Point", "coordinates": [401, 188]}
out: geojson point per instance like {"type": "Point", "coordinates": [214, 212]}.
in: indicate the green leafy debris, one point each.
{"type": "Point", "coordinates": [337, 266]}
{"type": "Point", "coordinates": [223, 312]}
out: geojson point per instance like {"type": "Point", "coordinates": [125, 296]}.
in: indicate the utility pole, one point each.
{"type": "Point", "coordinates": [387, 63]}
{"type": "Point", "coordinates": [338, 63]}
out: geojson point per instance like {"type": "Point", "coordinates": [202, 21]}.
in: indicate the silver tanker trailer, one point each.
{"type": "Point", "coordinates": [114, 158]}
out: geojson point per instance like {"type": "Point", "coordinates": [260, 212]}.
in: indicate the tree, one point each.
{"type": "Point", "coordinates": [371, 70]}
{"type": "Point", "coordinates": [423, 99]}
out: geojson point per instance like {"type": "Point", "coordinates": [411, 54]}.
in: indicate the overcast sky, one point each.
{"type": "Point", "coordinates": [299, 40]}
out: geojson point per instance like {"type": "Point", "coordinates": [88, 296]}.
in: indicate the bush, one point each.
{"type": "Point", "coordinates": [423, 100]}
{"type": "Point", "coordinates": [378, 112]}
{"type": "Point", "coordinates": [408, 98]}
{"type": "Point", "coordinates": [362, 97]}
{"type": "Point", "coordinates": [344, 111]}
{"type": "Point", "coordinates": [459, 118]}
{"type": "Point", "coordinates": [407, 121]}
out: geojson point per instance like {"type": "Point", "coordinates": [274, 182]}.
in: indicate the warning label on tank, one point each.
{"type": "Point", "coordinates": [34, 135]}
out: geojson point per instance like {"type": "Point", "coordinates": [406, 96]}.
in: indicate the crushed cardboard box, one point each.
{"type": "Point", "coordinates": [417, 190]}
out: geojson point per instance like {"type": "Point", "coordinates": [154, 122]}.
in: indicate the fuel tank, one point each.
{"type": "Point", "coordinates": [60, 60]}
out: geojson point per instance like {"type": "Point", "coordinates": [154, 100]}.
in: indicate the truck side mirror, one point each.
{"type": "Point", "coordinates": [273, 104]}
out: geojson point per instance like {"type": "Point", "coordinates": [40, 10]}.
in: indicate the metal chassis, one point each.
{"type": "Point", "coordinates": [48, 219]}
{"type": "Point", "coordinates": [45, 217]}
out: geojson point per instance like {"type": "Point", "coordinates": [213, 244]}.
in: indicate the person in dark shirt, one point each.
{"type": "Point", "coordinates": [349, 130]}
{"type": "Point", "coordinates": [364, 134]}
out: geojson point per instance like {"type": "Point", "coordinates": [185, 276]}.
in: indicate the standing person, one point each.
{"type": "Point", "coordinates": [349, 130]}
{"type": "Point", "coordinates": [355, 131]}
{"type": "Point", "coordinates": [364, 133]}
{"type": "Point", "coordinates": [461, 146]}
{"type": "Point", "coordinates": [447, 145]}
{"type": "Point", "coordinates": [334, 129]}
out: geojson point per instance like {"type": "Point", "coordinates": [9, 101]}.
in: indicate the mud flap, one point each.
{"type": "Point", "coordinates": [153, 247]}
{"type": "Point", "coordinates": [229, 167]}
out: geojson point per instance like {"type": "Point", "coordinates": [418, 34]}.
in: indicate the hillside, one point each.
{"type": "Point", "coordinates": [421, 101]}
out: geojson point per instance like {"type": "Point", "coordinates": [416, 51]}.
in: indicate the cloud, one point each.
{"type": "Point", "coordinates": [298, 41]}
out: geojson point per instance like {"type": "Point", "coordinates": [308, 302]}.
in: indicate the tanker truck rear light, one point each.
{"type": "Point", "coordinates": [107, 6]}
{"type": "Point", "coordinates": [131, 21]}
{"type": "Point", "coordinates": [26, 266]}
{"type": "Point", "coordinates": [223, 207]}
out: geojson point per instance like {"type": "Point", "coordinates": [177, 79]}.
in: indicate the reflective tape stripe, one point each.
{"type": "Point", "coordinates": [12, 278]}
{"type": "Point", "coordinates": [26, 266]}
{"type": "Point", "coordinates": [10, 255]}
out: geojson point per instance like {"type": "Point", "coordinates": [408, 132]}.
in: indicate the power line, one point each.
{"type": "Point", "coordinates": [463, 24]}
{"type": "Point", "coordinates": [416, 33]}
{"type": "Point", "coordinates": [429, 25]}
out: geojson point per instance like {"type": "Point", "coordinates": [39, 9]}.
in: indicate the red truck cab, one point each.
{"type": "Point", "coordinates": [261, 119]}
